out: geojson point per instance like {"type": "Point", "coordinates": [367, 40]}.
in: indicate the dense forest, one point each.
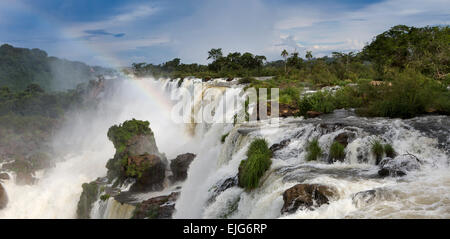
{"type": "Point", "coordinates": [20, 67]}
{"type": "Point", "coordinates": [402, 72]}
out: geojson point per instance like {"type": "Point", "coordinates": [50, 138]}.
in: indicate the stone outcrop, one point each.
{"type": "Point", "coordinates": [161, 207]}
{"type": "Point", "coordinates": [306, 196]}
{"type": "Point", "coordinates": [180, 166]}
{"type": "Point", "coordinates": [149, 171]}
{"type": "Point", "coordinates": [398, 166]}
{"type": "Point", "coordinates": [3, 197]}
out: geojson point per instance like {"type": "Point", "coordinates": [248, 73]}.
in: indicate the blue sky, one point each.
{"type": "Point", "coordinates": [117, 33]}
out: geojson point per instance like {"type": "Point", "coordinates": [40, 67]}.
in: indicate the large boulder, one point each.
{"type": "Point", "coordinates": [161, 207]}
{"type": "Point", "coordinates": [306, 196]}
{"type": "Point", "coordinates": [3, 197]}
{"type": "Point", "coordinates": [180, 166]}
{"type": "Point", "coordinates": [87, 198]}
{"type": "Point", "coordinates": [398, 166]}
{"type": "Point", "coordinates": [149, 171]}
{"type": "Point", "coordinates": [344, 138]}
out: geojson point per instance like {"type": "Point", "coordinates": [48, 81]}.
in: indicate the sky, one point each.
{"type": "Point", "coordinates": [117, 33]}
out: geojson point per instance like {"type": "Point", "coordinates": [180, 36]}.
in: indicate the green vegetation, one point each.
{"type": "Point", "coordinates": [224, 137]}
{"type": "Point", "coordinates": [20, 67]}
{"type": "Point", "coordinates": [403, 72]}
{"type": "Point", "coordinates": [105, 197]}
{"type": "Point", "coordinates": [120, 135]}
{"type": "Point", "coordinates": [257, 163]}
{"type": "Point", "coordinates": [28, 118]}
{"type": "Point", "coordinates": [377, 150]}
{"type": "Point", "coordinates": [337, 151]}
{"type": "Point", "coordinates": [389, 151]}
{"type": "Point", "coordinates": [313, 150]}
{"type": "Point", "coordinates": [87, 198]}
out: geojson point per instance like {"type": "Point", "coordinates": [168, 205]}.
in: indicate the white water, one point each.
{"type": "Point", "coordinates": [85, 149]}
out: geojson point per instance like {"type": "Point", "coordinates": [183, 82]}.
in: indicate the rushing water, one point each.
{"type": "Point", "coordinates": [84, 150]}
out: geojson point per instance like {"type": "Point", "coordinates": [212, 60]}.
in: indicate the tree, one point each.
{"type": "Point", "coordinates": [215, 54]}
{"type": "Point", "coordinates": [309, 55]}
{"type": "Point", "coordinates": [285, 54]}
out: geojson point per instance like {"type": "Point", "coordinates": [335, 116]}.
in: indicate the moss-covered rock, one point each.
{"type": "Point", "coordinates": [134, 141]}
{"type": "Point", "coordinates": [87, 198]}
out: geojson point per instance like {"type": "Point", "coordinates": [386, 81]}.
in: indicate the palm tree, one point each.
{"type": "Point", "coordinates": [309, 55]}
{"type": "Point", "coordinates": [284, 54]}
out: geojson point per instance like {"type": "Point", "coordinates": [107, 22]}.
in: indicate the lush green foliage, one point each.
{"type": "Point", "coordinates": [337, 151]}
{"type": "Point", "coordinates": [377, 150]}
{"type": "Point", "coordinates": [87, 198]}
{"type": "Point", "coordinates": [313, 150]}
{"type": "Point", "coordinates": [389, 151]}
{"type": "Point", "coordinates": [257, 163]}
{"type": "Point", "coordinates": [410, 65]}
{"type": "Point", "coordinates": [122, 133]}
{"type": "Point", "coordinates": [20, 67]}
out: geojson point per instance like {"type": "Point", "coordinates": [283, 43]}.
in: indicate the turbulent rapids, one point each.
{"type": "Point", "coordinates": [414, 183]}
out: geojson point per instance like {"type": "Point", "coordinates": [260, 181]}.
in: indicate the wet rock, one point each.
{"type": "Point", "coordinates": [221, 187]}
{"type": "Point", "coordinates": [180, 166]}
{"type": "Point", "coordinates": [365, 198]}
{"type": "Point", "coordinates": [149, 171]}
{"type": "Point", "coordinates": [312, 114]}
{"type": "Point", "coordinates": [161, 207]}
{"type": "Point", "coordinates": [3, 197]}
{"type": "Point", "coordinates": [142, 144]}
{"type": "Point", "coordinates": [87, 198]}
{"type": "Point", "coordinates": [4, 176]}
{"type": "Point", "coordinates": [307, 196]}
{"type": "Point", "coordinates": [288, 110]}
{"type": "Point", "coordinates": [344, 138]}
{"type": "Point", "coordinates": [398, 166]}
{"type": "Point", "coordinates": [282, 144]}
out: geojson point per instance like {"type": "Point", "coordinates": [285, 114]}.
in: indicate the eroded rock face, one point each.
{"type": "Point", "coordinates": [221, 187]}
{"type": "Point", "coordinates": [306, 195]}
{"type": "Point", "coordinates": [180, 166]}
{"type": "Point", "coordinates": [3, 198]}
{"type": "Point", "coordinates": [149, 171]}
{"type": "Point", "coordinates": [161, 207]}
{"type": "Point", "coordinates": [398, 166]}
{"type": "Point", "coordinates": [142, 144]}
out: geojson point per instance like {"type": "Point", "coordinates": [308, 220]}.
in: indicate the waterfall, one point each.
{"type": "Point", "coordinates": [83, 149]}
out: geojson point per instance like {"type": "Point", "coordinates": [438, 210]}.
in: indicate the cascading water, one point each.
{"type": "Point", "coordinates": [84, 149]}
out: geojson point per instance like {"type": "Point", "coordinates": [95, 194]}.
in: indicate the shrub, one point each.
{"type": "Point", "coordinates": [320, 101]}
{"type": "Point", "coordinates": [257, 163]}
{"type": "Point", "coordinates": [104, 197]}
{"type": "Point", "coordinates": [389, 151]}
{"type": "Point", "coordinates": [246, 80]}
{"type": "Point", "coordinates": [122, 133]}
{"type": "Point", "coordinates": [337, 151]}
{"type": "Point", "coordinates": [313, 149]}
{"type": "Point", "coordinates": [224, 137]}
{"type": "Point", "coordinates": [377, 150]}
